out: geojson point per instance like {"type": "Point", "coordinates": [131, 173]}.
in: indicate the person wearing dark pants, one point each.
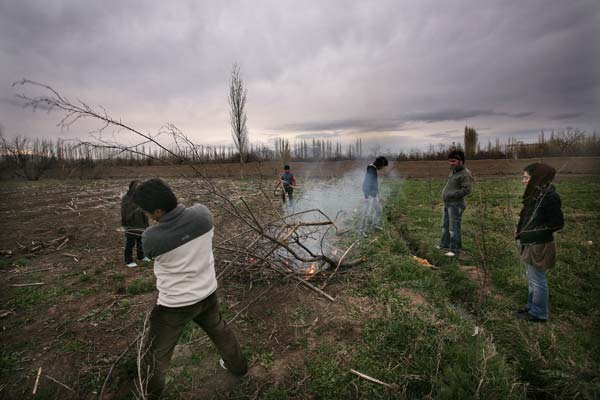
{"type": "Point", "coordinates": [133, 238]}
{"type": "Point", "coordinates": [371, 213]}
{"type": "Point", "coordinates": [540, 217]}
{"type": "Point", "coordinates": [181, 246]}
{"type": "Point", "coordinates": [459, 185]}
{"type": "Point", "coordinates": [166, 326]}
{"type": "Point", "coordinates": [451, 235]}
{"type": "Point", "coordinates": [288, 183]}
{"type": "Point", "coordinates": [134, 221]}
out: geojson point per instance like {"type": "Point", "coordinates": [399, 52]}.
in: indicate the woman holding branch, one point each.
{"type": "Point", "coordinates": [540, 217]}
{"type": "Point", "coordinates": [134, 222]}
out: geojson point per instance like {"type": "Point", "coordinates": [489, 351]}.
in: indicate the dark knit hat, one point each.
{"type": "Point", "coordinates": [457, 155]}
{"type": "Point", "coordinates": [541, 176]}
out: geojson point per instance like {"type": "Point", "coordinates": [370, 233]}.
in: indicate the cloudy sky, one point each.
{"type": "Point", "coordinates": [399, 74]}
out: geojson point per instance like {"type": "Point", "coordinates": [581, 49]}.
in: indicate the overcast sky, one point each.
{"type": "Point", "coordinates": [401, 74]}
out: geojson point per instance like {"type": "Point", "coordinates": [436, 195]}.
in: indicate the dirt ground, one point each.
{"type": "Point", "coordinates": [336, 169]}
{"type": "Point", "coordinates": [71, 307]}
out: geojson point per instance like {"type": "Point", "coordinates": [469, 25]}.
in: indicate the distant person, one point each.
{"type": "Point", "coordinates": [372, 206]}
{"type": "Point", "coordinates": [540, 217]}
{"type": "Point", "coordinates": [288, 183]}
{"type": "Point", "coordinates": [181, 246]}
{"type": "Point", "coordinates": [134, 221]}
{"type": "Point", "coordinates": [459, 185]}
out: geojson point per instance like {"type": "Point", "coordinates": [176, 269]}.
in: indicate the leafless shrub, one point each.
{"type": "Point", "coordinates": [275, 240]}
{"type": "Point", "coordinates": [29, 159]}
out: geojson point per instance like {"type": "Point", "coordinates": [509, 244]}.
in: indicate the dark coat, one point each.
{"type": "Point", "coordinates": [132, 217]}
{"type": "Point", "coordinates": [288, 179]}
{"type": "Point", "coordinates": [370, 185]}
{"type": "Point", "coordinates": [459, 185]}
{"type": "Point", "coordinates": [540, 217]}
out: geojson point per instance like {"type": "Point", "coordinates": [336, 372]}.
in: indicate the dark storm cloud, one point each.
{"type": "Point", "coordinates": [353, 125]}
{"type": "Point", "coordinates": [562, 116]}
{"type": "Point", "coordinates": [445, 135]}
{"type": "Point", "coordinates": [317, 136]}
{"type": "Point", "coordinates": [459, 115]}
{"type": "Point", "coordinates": [395, 124]}
{"type": "Point", "coordinates": [313, 67]}
{"type": "Point", "coordinates": [12, 101]}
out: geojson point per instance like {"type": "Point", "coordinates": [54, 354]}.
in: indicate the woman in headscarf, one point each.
{"type": "Point", "coordinates": [540, 217]}
{"type": "Point", "coordinates": [134, 222]}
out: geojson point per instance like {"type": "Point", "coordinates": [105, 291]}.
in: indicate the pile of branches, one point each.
{"type": "Point", "coordinates": [268, 238]}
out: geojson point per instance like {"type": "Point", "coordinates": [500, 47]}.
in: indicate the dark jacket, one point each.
{"type": "Point", "coordinates": [288, 179]}
{"type": "Point", "coordinates": [370, 185]}
{"type": "Point", "coordinates": [132, 217]}
{"type": "Point", "coordinates": [540, 217]}
{"type": "Point", "coordinates": [460, 184]}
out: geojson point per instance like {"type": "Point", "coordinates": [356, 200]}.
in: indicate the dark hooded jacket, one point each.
{"type": "Point", "coordinates": [370, 185]}
{"type": "Point", "coordinates": [132, 217]}
{"type": "Point", "coordinates": [541, 214]}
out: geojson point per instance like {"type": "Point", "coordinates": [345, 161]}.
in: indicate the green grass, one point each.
{"type": "Point", "coordinates": [560, 358]}
{"type": "Point", "coordinates": [25, 298]}
{"type": "Point", "coordinates": [140, 286]}
{"type": "Point", "coordinates": [431, 350]}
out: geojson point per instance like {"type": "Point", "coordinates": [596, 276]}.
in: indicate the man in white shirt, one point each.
{"type": "Point", "coordinates": [181, 246]}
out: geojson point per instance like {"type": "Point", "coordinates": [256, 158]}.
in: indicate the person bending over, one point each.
{"type": "Point", "coordinates": [181, 246]}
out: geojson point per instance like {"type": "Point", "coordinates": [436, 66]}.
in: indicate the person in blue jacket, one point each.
{"type": "Point", "coordinates": [372, 206]}
{"type": "Point", "coordinates": [288, 183]}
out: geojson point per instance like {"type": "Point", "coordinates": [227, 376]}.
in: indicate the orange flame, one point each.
{"type": "Point", "coordinates": [422, 261]}
{"type": "Point", "coordinates": [313, 269]}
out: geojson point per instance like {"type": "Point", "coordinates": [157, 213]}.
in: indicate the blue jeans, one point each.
{"type": "Point", "coordinates": [371, 213]}
{"type": "Point", "coordinates": [451, 227]}
{"type": "Point", "coordinates": [537, 295]}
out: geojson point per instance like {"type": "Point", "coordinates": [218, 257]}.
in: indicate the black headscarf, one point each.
{"type": "Point", "coordinates": [541, 176]}
{"type": "Point", "coordinates": [132, 186]}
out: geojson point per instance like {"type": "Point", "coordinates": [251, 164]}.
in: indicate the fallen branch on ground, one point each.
{"type": "Point", "coordinates": [367, 377]}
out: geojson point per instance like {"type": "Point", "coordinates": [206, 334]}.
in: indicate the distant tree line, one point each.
{"type": "Point", "coordinates": [29, 158]}
{"type": "Point", "coordinates": [568, 142]}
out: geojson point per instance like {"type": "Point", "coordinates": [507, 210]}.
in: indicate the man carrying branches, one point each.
{"type": "Point", "coordinates": [288, 183]}
{"type": "Point", "coordinates": [181, 246]}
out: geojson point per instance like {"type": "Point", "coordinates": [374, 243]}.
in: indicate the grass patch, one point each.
{"type": "Point", "coordinates": [559, 359]}
{"type": "Point", "coordinates": [25, 298]}
{"type": "Point", "coordinates": [140, 286]}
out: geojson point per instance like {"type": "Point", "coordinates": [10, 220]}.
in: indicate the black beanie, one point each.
{"type": "Point", "coordinates": [457, 155]}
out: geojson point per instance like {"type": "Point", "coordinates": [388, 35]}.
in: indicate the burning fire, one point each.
{"type": "Point", "coordinates": [422, 261]}
{"type": "Point", "coordinates": [312, 270]}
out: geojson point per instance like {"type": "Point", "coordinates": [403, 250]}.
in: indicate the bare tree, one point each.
{"type": "Point", "coordinates": [471, 137]}
{"type": "Point", "coordinates": [283, 243]}
{"type": "Point", "coordinates": [28, 159]}
{"type": "Point", "coordinates": [568, 139]}
{"type": "Point", "coordinates": [283, 151]}
{"type": "Point", "coordinates": [237, 112]}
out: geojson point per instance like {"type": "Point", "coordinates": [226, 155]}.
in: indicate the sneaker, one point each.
{"type": "Point", "coordinates": [450, 254]}
{"type": "Point", "coordinates": [222, 364]}
{"type": "Point", "coordinates": [377, 228]}
{"type": "Point", "coordinates": [146, 259]}
{"type": "Point", "coordinates": [132, 264]}
{"type": "Point", "coordinates": [522, 310]}
{"type": "Point", "coordinates": [530, 318]}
